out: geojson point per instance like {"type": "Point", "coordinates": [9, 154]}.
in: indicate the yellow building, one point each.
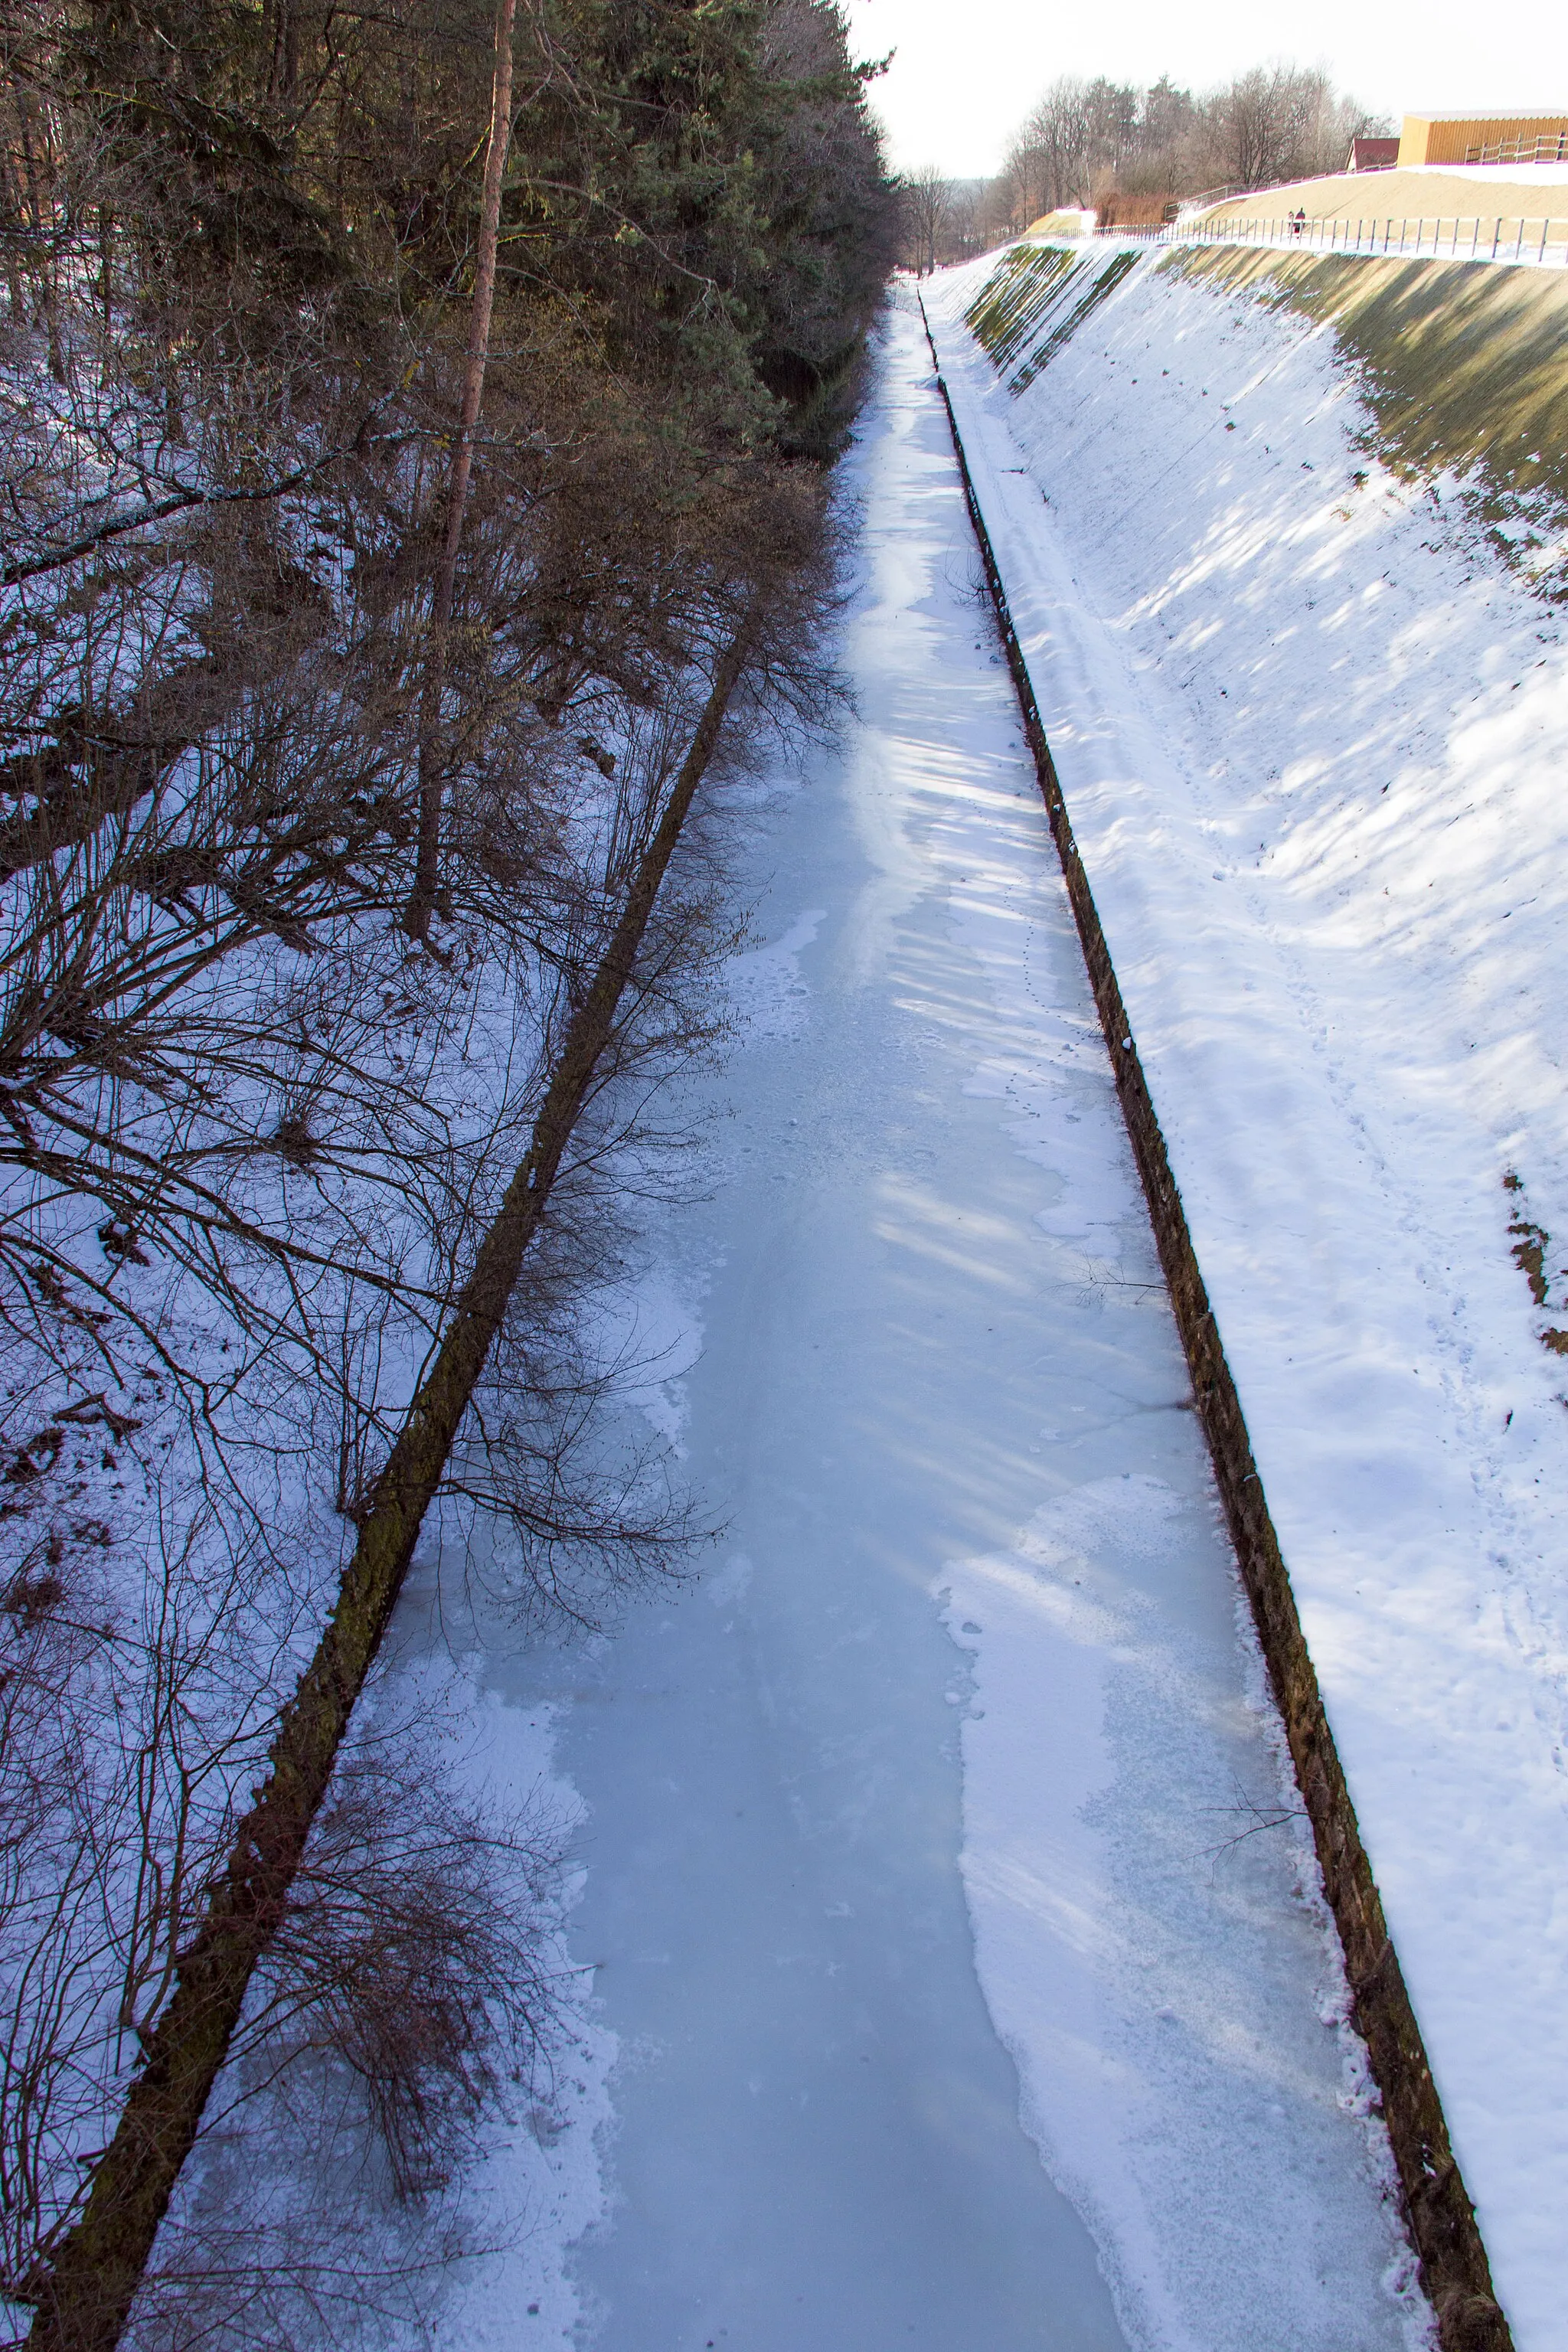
{"type": "Point", "coordinates": [1484, 138]}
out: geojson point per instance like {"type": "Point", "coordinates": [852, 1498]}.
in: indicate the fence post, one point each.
{"type": "Point", "coordinates": [1546, 233]}
{"type": "Point", "coordinates": [1496, 233]}
{"type": "Point", "coordinates": [1519, 242]}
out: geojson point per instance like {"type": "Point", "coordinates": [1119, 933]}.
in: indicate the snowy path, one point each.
{"type": "Point", "coordinates": [935, 1361]}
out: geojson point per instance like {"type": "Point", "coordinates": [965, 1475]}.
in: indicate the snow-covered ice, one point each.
{"type": "Point", "coordinates": [1311, 726]}
{"type": "Point", "coordinates": [536, 2184]}
{"type": "Point", "coordinates": [942, 1890]}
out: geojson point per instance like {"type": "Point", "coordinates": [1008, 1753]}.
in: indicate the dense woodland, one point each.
{"type": "Point", "coordinates": [337, 705]}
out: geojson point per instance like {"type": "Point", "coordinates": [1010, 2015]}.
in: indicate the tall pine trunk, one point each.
{"type": "Point", "coordinates": [432, 762]}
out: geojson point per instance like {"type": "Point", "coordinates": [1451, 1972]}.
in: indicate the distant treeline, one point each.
{"type": "Point", "coordinates": [1093, 143]}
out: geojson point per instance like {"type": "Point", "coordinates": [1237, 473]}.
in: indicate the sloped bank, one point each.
{"type": "Point", "coordinates": [1463, 366]}
{"type": "Point", "coordinates": [1455, 2271]}
{"type": "Point", "coordinates": [1280, 557]}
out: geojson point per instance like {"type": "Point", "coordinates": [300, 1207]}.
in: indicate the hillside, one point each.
{"type": "Point", "coordinates": [1283, 539]}
{"type": "Point", "coordinates": [1533, 192]}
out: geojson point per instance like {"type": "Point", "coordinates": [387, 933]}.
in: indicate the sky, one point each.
{"type": "Point", "coordinates": [965, 75]}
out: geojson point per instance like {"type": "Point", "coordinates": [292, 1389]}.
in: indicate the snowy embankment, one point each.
{"type": "Point", "coordinates": [1311, 727]}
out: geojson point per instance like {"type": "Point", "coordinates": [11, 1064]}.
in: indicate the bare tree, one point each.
{"type": "Point", "coordinates": [1264, 124]}
{"type": "Point", "coordinates": [928, 206]}
{"type": "Point", "coordinates": [249, 1138]}
{"type": "Point", "coordinates": [965, 231]}
{"type": "Point", "coordinates": [1097, 140]}
{"type": "Point", "coordinates": [422, 899]}
{"type": "Point", "coordinates": [1049, 159]}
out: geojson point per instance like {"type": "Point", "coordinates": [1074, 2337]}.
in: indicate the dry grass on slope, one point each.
{"type": "Point", "coordinates": [1424, 194]}
{"type": "Point", "coordinates": [1464, 366]}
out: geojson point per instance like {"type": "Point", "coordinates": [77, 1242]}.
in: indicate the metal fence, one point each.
{"type": "Point", "coordinates": [1472, 237]}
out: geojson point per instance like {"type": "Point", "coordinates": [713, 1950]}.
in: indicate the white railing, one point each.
{"type": "Point", "coordinates": [1469, 238]}
{"type": "Point", "coordinates": [1546, 147]}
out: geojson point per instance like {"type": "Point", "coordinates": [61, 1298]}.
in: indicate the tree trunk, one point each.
{"type": "Point", "coordinates": [422, 899]}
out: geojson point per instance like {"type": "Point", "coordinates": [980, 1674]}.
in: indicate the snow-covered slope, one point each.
{"type": "Point", "coordinates": [1311, 729]}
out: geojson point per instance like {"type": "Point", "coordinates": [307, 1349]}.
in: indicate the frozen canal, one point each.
{"type": "Point", "coordinates": [938, 1880]}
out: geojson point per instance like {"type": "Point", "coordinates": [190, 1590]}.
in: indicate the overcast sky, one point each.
{"type": "Point", "coordinates": [967, 70]}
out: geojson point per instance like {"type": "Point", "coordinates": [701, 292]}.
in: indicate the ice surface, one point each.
{"type": "Point", "coordinates": [1311, 729]}
{"type": "Point", "coordinates": [907, 1855]}
{"type": "Point", "coordinates": [537, 2183]}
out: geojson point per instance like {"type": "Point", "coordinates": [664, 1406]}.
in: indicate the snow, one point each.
{"type": "Point", "coordinates": [538, 2185]}
{"type": "Point", "coordinates": [967, 1971]}
{"type": "Point", "coordinates": [767, 993]}
{"type": "Point", "coordinates": [202, 1532]}
{"type": "Point", "coordinates": [1532, 175]}
{"type": "Point", "coordinates": [280, 2163]}
{"type": "Point", "coordinates": [197, 1508]}
{"type": "Point", "coordinates": [1312, 726]}
{"type": "Point", "coordinates": [1156, 2057]}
